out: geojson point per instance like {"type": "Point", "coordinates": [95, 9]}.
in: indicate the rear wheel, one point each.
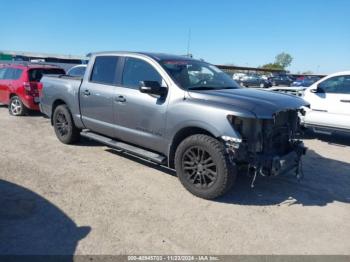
{"type": "Point", "coordinates": [64, 126]}
{"type": "Point", "coordinates": [262, 85]}
{"type": "Point", "coordinates": [203, 168]}
{"type": "Point", "coordinates": [16, 107]}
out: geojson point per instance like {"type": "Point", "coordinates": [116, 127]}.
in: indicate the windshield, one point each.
{"type": "Point", "coordinates": [197, 75]}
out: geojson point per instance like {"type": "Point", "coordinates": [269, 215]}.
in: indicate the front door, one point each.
{"type": "Point", "coordinates": [338, 96]}
{"type": "Point", "coordinates": [97, 96]}
{"type": "Point", "coordinates": [141, 117]}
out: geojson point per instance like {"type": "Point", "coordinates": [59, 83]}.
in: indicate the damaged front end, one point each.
{"type": "Point", "coordinates": [269, 147]}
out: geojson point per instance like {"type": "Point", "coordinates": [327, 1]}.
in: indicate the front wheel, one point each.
{"type": "Point", "coordinates": [16, 107]}
{"type": "Point", "coordinates": [203, 168]}
{"type": "Point", "coordinates": [64, 126]}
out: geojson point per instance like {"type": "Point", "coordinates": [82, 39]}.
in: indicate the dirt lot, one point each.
{"type": "Point", "coordinates": [88, 199]}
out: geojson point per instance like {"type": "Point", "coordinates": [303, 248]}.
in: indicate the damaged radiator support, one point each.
{"type": "Point", "coordinates": [269, 147]}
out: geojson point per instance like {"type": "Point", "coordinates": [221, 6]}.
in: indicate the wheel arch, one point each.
{"type": "Point", "coordinates": [180, 136]}
{"type": "Point", "coordinates": [55, 104]}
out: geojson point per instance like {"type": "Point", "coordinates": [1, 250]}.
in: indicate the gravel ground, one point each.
{"type": "Point", "coordinates": [88, 199]}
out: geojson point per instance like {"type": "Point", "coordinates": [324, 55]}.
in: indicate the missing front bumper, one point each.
{"type": "Point", "coordinates": [285, 164]}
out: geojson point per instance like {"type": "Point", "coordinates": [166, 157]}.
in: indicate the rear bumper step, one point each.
{"type": "Point", "coordinates": [151, 156]}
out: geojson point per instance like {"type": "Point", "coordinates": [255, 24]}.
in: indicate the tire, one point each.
{"type": "Point", "coordinates": [64, 126]}
{"type": "Point", "coordinates": [208, 174]}
{"type": "Point", "coordinates": [262, 85]}
{"type": "Point", "coordinates": [16, 107]}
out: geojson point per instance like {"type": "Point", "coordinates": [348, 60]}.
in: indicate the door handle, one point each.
{"type": "Point", "coordinates": [86, 92]}
{"type": "Point", "coordinates": [345, 101]}
{"type": "Point", "coordinates": [120, 99]}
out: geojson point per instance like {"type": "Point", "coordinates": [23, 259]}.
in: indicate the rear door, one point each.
{"type": "Point", "coordinates": [97, 95]}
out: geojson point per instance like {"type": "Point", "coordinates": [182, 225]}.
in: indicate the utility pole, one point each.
{"type": "Point", "coordinates": [189, 42]}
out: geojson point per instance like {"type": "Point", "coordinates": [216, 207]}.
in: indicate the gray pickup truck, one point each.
{"type": "Point", "coordinates": [180, 112]}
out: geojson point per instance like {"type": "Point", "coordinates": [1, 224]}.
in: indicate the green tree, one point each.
{"type": "Point", "coordinates": [272, 66]}
{"type": "Point", "coordinates": [284, 60]}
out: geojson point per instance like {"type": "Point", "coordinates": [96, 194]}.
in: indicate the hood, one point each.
{"type": "Point", "coordinates": [263, 103]}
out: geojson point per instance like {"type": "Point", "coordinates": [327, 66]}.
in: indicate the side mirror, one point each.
{"type": "Point", "coordinates": [318, 89]}
{"type": "Point", "coordinates": [152, 88]}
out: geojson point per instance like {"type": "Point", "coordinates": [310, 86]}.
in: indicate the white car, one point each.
{"type": "Point", "coordinates": [329, 100]}
{"type": "Point", "coordinates": [238, 76]}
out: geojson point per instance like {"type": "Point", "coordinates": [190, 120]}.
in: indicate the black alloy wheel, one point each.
{"type": "Point", "coordinates": [199, 168]}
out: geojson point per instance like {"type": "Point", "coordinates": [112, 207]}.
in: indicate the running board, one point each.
{"type": "Point", "coordinates": [151, 156]}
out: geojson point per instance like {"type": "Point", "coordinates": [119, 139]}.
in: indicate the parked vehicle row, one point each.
{"type": "Point", "coordinates": [281, 80]}
{"type": "Point", "coordinates": [254, 81]}
{"type": "Point", "coordinates": [275, 80]}
{"type": "Point", "coordinates": [262, 81]}
{"type": "Point", "coordinates": [305, 81]}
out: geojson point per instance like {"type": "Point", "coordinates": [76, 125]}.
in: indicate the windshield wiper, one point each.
{"type": "Point", "coordinates": [201, 88]}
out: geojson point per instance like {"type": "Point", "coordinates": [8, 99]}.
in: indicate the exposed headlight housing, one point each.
{"type": "Point", "coordinates": [250, 130]}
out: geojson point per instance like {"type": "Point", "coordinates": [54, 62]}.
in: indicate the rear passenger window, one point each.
{"type": "Point", "coordinates": [136, 70]}
{"type": "Point", "coordinates": [105, 70]}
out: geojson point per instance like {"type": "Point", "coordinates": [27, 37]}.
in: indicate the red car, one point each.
{"type": "Point", "coordinates": [19, 85]}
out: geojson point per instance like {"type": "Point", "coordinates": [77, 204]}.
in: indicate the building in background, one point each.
{"type": "Point", "coordinates": [64, 61]}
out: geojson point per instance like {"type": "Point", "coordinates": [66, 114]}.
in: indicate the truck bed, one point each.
{"type": "Point", "coordinates": [60, 88]}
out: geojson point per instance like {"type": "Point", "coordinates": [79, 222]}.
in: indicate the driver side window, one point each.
{"type": "Point", "coordinates": [137, 70]}
{"type": "Point", "coordinates": [336, 85]}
